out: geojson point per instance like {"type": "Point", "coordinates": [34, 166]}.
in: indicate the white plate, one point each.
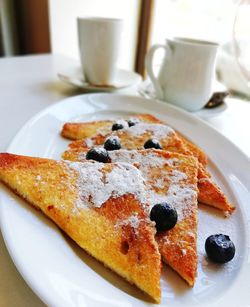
{"type": "Point", "coordinates": [124, 79]}
{"type": "Point", "coordinates": [61, 274]}
{"type": "Point", "coordinates": [146, 90]}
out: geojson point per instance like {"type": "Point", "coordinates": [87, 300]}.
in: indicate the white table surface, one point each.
{"type": "Point", "coordinates": [29, 84]}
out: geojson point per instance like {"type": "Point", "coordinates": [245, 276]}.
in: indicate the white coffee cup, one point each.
{"type": "Point", "coordinates": [186, 74]}
{"type": "Point", "coordinates": [99, 44]}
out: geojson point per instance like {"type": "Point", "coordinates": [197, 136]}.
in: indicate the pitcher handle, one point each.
{"type": "Point", "coordinates": [149, 66]}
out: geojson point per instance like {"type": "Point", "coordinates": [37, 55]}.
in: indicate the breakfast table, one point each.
{"type": "Point", "coordinates": [28, 85]}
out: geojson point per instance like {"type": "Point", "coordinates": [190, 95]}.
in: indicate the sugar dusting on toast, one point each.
{"type": "Point", "coordinates": [134, 255]}
{"type": "Point", "coordinates": [179, 194]}
{"type": "Point", "coordinates": [96, 185]}
{"type": "Point", "coordinates": [180, 197]}
{"type": "Point", "coordinates": [122, 122]}
{"type": "Point", "coordinates": [89, 142]}
{"type": "Point", "coordinates": [133, 221]}
{"type": "Point", "coordinates": [158, 131]}
{"type": "Point", "coordinates": [170, 178]}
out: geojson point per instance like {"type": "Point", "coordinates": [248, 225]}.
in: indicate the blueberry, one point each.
{"type": "Point", "coordinates": [98, 154]}
{"type": "Point", "coordinates": [164, 216]}
{"type": "Point", "coordinates": [220, 248]}
{"type": "Point", "coordinates": [133, 122]}
{"type": "Point", "coordinates": [117, 126]}
{"type": "Point", "coordinates": [112, 143]}
{"type": "Point", "coordinates": [152, 143]}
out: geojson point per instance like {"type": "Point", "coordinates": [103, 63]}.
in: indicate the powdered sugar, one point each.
{"type": "Point", "coordinates": [177, 176]}
{"type": "Point", "coordinates": [39, 181]}
{"type": "Point", "coordinates": [183, 252]}
{"type": "Point", "coordinates": [134, 157]}
{"type": "Point", "coordinates": [165, 186]}
{"type": "Point", "coordinates": [134, 120]}
{"type": "Point", "coordinates": [182, 199]}
{"type": "Point", "coordinates": [202, 180]}
{"type": "Point", "coordinates": [122, 122]}
{"type": "Point", "coordinates": [173, 162]}
{"type": "Point", "coordinates": [89, 142]}
{"type": "Point", "coordinates": [133, 221]}
{"type": "Point", "coordinates": [96, 185]}
{"type": "Point", "coordinates": [157, 131]}
{"type": "Point", "coordinates": [113, 138]}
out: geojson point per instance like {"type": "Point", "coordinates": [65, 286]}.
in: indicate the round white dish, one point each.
{"type": "Point", "coordinates": [124, 79]}
{"type": "Point", "coordinates": [62, 274]}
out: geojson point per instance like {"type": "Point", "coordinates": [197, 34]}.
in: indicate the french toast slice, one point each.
{"type": "Point", "coordinates": [103, 213]}
{"type": "Point", "coordinates": [82, 130]}
{"type": "Point", "coordinates": [172, 178]}
{"type": "Point", "coordinates": [135, 137]}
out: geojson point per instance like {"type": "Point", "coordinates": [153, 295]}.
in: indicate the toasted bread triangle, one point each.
{"type": "Point", "coordinates": [117, 232]}
{"type": "Point", "coordinates": [135, 137]}
{"type": "Point", "coordinates": [172, 178]}
{"type": "Point", "coordinates": [82, 130]}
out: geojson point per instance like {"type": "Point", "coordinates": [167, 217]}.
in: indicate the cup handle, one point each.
{"type": "Point", "coordinates": [149, 66]}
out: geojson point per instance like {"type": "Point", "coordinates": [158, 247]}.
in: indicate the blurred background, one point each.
{"type": "Point", "coordinates": [49, 26]}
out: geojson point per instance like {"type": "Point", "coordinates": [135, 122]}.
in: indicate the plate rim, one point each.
{"type": "Point", "coordinates": [190, 115]}
{"type": "Point", "coordinates": [38, 115]}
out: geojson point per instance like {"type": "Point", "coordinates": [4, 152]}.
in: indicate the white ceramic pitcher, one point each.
{"type": "Point", "coordinates": [186, 74]}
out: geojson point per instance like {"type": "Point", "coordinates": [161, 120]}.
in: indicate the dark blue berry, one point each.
{"type": "Point", "coordinates": [152, 143]}
{"type": "Point", "coordinates": [112, 143]}
{"type": "Point", "coordinates": [98, 154]}
{"type": "Point", "coordinates": [133, 122]}
{"type": "Point", "coordinates": [220, 248]}
{"type": "Point", "coordinates": [164, 216]}
{"type": "Point", "coordinates": [117, 126]}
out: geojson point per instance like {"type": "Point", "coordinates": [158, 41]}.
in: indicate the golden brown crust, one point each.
{"type": "Point", "coordinates": [195, 150]}
{"type": "Point", "coordinates": [51, 187]}
{"type": "Point", "coordinates": [181, 251]}
{"type": "Point", "coordinates": [211, 194]}
{"type": "Point", "coordinates": [77, 131]}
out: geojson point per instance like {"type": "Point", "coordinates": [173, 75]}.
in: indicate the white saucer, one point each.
{"type": "Point", "coordinates": [147, 91]}
{"type": "Point", "coordinates": [124, 79]}
{"type": "Point", "coordinates": [207, 113]}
